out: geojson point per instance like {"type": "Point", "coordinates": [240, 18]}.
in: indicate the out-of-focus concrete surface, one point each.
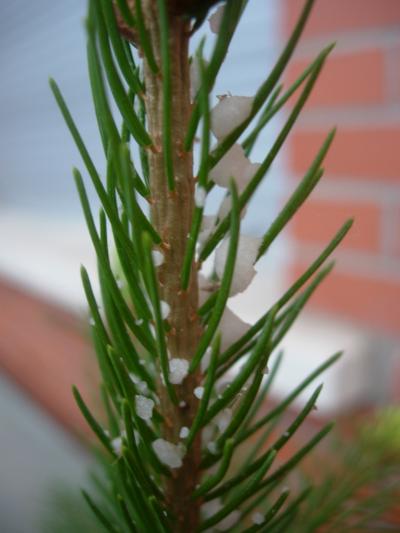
{"type": "Point", "coordinates": [36, 454]}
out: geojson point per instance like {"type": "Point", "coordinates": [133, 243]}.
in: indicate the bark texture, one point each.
{"type": "Point", "coordinates": [171, 214]}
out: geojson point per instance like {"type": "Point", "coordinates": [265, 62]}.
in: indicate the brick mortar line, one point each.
{"type": "Point", "coordinates": [352, 190]}
{"type": "Point", "coordinates": [388, 230]}
{"type": "Point", "coordinates": [350, 41]}
{"type": "Point", "coordinates": [376, 116]}
{"type": "Point", "coordinates": [375, 267]}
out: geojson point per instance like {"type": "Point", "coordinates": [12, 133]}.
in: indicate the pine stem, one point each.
{"type": "Point", "coordinates": [171, 213]}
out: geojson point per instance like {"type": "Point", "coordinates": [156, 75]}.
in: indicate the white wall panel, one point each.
{"type": "Point", "coordinates": [45, 38]}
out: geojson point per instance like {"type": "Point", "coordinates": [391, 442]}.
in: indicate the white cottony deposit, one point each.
{"type": "Point", "coordinates": [207, 224]}
{"type": "Point", "coordinates": [200, 195]}
{"type": "Point", "coordinates": [205, 361]}
{"type": "Point", "coordinates": [246, 256]}
{"type": "Point", "coordinates": [198, 392]}
{"type": "Point", "coordinates": [195, 77]}
{"type": "Point", "coordinates": [141, 386]}
{"type": "Point", "coordinates": [257, 518]}
{"type": "Point", "coordinates": [229, 521]}
{"type": "Point", "coordinates": [210, 508]}
{"type": "Point", "coordinates": [229, 113]}
{"type": "Point", "coordinates": [223, 384]}
{"type": "Point", "coordinates": [216, 18]}
{"type": "Point", "coordinates": [232, 165]}
{"type": "Point", "coordinates": [168, 453]}
{"type": "Point", "coordinates": [203, 284]}
{"type": "Point", "coordinates": [184, 432]}
{"type": "Point", "coordinates": [117, 445]}
{"type": "Point", "coordinates": [232, 328]}
{"type": "Point", "coordinates": [224, 419]}
{"type": "Point", "coordinates": [144, 407]}
{"type": "Point", "coordinates": [207, 434]}
{"type": "Point", "coordinates": [226, 206]}
{"type": "Point", "coordinates": [158, 258]}
{"type": "Point", "coordinates": [212, 447]}
{"type": "Point", "coordinates": [249, 172]}
{"type": "Point", "coordinates": [165, 309]}
{"type": "Point", "coordinates": [178, 370]}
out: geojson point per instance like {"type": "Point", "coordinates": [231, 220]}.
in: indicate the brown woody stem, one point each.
{"type": "Point", "coordinates": [171, 214]}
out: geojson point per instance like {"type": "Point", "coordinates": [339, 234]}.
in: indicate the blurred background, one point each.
{"type": "Point", "coordinates": [44, 345]}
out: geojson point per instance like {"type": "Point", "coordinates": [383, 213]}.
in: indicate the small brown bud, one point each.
{"type": "Point", "coordinates": [126, 31]}
{"type": "Point", "coordinates": [190, 9]}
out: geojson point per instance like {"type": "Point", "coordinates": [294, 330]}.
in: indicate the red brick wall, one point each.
{"type": "Point", "coordinates": [46, 350]}
{"type": "Point", "coordinates": [359, 92]}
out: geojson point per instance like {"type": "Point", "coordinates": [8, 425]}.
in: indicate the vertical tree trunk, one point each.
{"type": "Point", "coordinates": [171, 214]}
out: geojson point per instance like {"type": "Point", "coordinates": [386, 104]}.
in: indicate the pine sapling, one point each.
{"type": "Point", "coordinates": [166, 341]}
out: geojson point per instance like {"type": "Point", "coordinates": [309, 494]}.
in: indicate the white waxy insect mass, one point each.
{"type": "Point", "coordinates": [223, 419]}
{"type": "Point", "coordinates": [207, 224]}
{"type": "Point", "coordinates": [158, 258]}
{"type": "Point", "coordinates": [232, 165]}
{"type": "Point", "coordinates": [203, 284]}
{"type": "Point", "coordinates": [229, 521]}
{"type": "Point", "coordinates": [246, 256]}
{"type": "Point", "coordinates": [117, 445]}
{"type": "Point", "coordinates": [210, 508]}
{"type": "Point", "coordinates": [184, 432]}
{"type": "Point", "coordinates": [199, 392]}
{"type": "Point", "coordinates": [229, 113]}
{"type": "Point", "coordinates": [207, 434]}
{"type": "Point", "coordinates": [200, 195]}
{"type": "Point", "coordinates": [168, 453]}
{"type": "Point", "coordinates": [141, 386]}
{"type": "Point", "coordinates": [165, 309]}
{"type": "Point", "coordinates": [226, 206]}
{"type": "Point", "coordinates": [215, 19]}
{"type": "Point", "coordinates": [249, 173]}
{"type": "Point", "coordinates": [212, 447]}
{"type": "Point", "coordinates": [257, 518]}
{"type": "Point", "coordinates": [178, 370]}
{"type": "Point", "coordinates": [144, 407]}
{"type": "Point", "coordinates": [205, 361]}
{"type": "Point", "coordinates": [232, 328]}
